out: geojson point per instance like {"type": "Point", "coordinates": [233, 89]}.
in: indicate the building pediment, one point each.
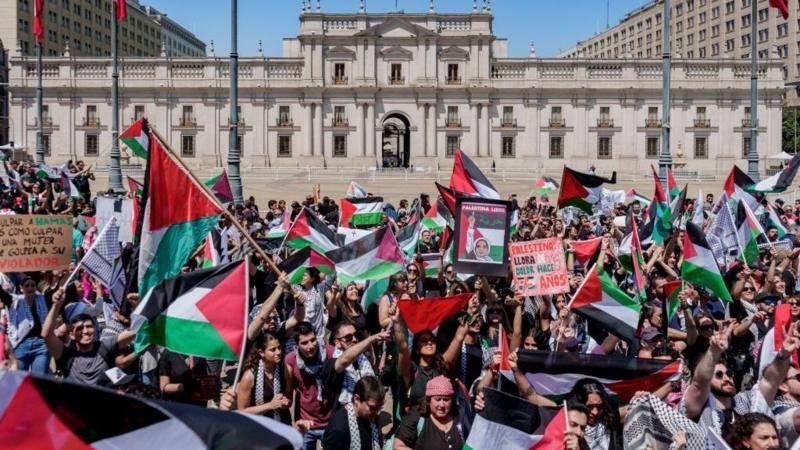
{"type": "Point", "coordinates": [396, 28]}
{"type": "Point", "coordinates": [395, 53]}
{"type": "Point", "coordinates": [454, 53]}
{"type": "Point", "coordinates": [340, 53]}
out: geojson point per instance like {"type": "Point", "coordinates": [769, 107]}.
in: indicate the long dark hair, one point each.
{"type": "Point", "coordinates": [393, 280]}
{"type": "Point", "coordinates": [609, 412]}
{"type": "Point", "coordinates": [438, 361]}
{"type": "Point", "coordinates": [259, 344]}
{"type": "Point", "coordinates": [741, 430]}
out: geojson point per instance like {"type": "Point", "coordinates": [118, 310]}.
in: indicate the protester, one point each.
{"type": "Point", "coordinates": [354, 426]}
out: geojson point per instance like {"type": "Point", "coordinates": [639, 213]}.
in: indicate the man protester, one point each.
{"type": "Point", "coordinates": [349, 364]}
{"type": "Point", "coordinates": [355, 426]}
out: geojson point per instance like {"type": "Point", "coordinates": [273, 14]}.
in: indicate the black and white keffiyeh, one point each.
{"type": "Point", "coordinates": [651, 424]}
{"type": "Point", "coordinates": [314, 368]}
{"type": "Point", "coordinates": [359, 369]}
{"type": "Point", "coordinates": [260, 378]}
{"type": "Point", "coordinates": [355, 435]}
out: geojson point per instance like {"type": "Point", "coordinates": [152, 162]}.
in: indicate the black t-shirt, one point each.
{"type": "Point", "coordinates": [429, 437]}
{"type": "Point", "coordinates": [337, 433]}
{"type": "Point", "coordinates": [332, 382]}
{"type": "Point", "coordinates": [174, 366]}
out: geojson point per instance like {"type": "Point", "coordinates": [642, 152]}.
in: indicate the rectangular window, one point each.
{"type": "Point", "coordinates": [338, 73]}
{"type": "Point", "coordinates": [508, 147]}
{"type": "Point", "coordinates": [397, 74]}
{"type": "Point", "coordinates": [284, 117]}
{"type": "Point", "coordinates": [452, 74]}
{"type": "Point", "coordinates": [339, 118]}
{"type": "Point", "coordinates": [604, 147]}
{"type": "Point", "coordinates": [652, 148]}
{"type": "Point", "coordinates": [138, 112]}
{"type": "Point", "coordinates": [508, 116]}
{"type": "Point", "coordinates": [340, 146]}
{"type": "Point", "coordinates": [745, 147]}
{"type": "Point", "coordinates": [452, 117]}
{"type": "Point", "coordinates": [701, 121]}
{"type": "Point", "coordinates": [700, 148]}
{"type": "Point", "coordinates": [556, 147]}
{"type": "Point", "coordinates": [187, 146]}
{"type": "Point", "coordinates": [285, 146]}
{"type": "Point", "coordinates": [46, 144]}
{"type": "Point", "coordinates": [556, 120]}
{"type": "Point", "coordinates": [605, 117]}
{"type": "Point", "coordinates": [187, 116]}
{"type": "Point", "coordinates": [91, 119]}
{"type": "Point", "coordinates": [91, 145]}
{"type": "Point", "coordinates": [452, 146]}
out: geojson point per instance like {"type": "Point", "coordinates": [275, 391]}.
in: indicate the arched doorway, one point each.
{"type": "Point", "coordinates": [396, 145]}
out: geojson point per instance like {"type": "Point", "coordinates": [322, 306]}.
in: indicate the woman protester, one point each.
{"type": "Point", "coordinates": [434, 424]}
{"type": "Point", "coordinates": [260, 389]}
{"type": "Point", "coordinates": [27, 312]}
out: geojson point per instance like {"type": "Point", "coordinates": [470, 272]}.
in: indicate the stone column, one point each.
{"type": "Point", "coordinates": [370, 130]}
{"type": "Point", "coordinates": [308, 124]}
{"type": "Point", "coordinates": [362, 129]}
{"type": "Point", "coordinates": [424, 129]}
{"type": "Point", "coordinates": [432, 130]}
{"type": "Point", "coordinates": [484, 132]}
{"type": "Point", "coordinates": [319, 148]}
{"type": "Point", "coordinates": [475, 126]}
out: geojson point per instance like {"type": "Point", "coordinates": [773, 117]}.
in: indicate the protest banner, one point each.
{"type": "Point", "coordinates": [35, 242]}
{"type": "Point", "coordinates": [481, 232]}
{"type": "Point", "coordinates": [539, 267]}
{"type": "Point", "coordinates": [122, 209]}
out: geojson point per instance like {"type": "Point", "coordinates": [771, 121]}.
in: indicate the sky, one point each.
{"type": "Point", "coordinates": [553, 25]}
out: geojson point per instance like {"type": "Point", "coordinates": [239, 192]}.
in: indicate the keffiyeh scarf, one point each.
{"type": "Point", "coordinates": [276, 384]}
{"type": "Point", "coordinates": [314, 368]}
{"type": "Point", "coordinates": [355, 434]}
{"type": "Point", "coordinates": [354, 372]}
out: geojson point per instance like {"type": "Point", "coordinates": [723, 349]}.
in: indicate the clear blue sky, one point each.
{"type": "Point", "coordinates": [551, 24]}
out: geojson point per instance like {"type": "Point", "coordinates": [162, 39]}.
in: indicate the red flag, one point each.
{"type": "Point", "coordinates": [429, 313]}
{"type": "Point", "coordinates": [122, 10]}
{"type": "Point", "coordinates": [448, 196]}
{"type": "Point", "coordinates": [584, 250]}
{"type": "Point", "coordinates": [504, 364]}
{"type": "Point", "coordinates": [38, 27]}
{"type": "Point", "coordinates": [782, 6]}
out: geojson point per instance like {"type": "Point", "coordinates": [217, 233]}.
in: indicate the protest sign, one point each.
{"type": "Point", "coordinates": [539, 267]}
{"type": "Point", "coordinates": [122, 209]}
{"type": "Point", "coordinates": [35, 242]}
{"type": "Point", "coordinates": [482, 236]}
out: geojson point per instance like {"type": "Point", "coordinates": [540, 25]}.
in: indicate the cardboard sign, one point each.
{"type": "Point", "coordinates": [35, 242]}
{"type": "Point", "coordinates": [122, 209]}
{"type": "Point", "coordinates": [539, 267]}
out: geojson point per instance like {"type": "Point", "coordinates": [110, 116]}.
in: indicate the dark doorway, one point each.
{"type": "Point", "coordinates": [396, 143]}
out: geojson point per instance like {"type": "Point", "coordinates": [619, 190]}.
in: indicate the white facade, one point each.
{"type": "Point", "coordinates": [359, 87]}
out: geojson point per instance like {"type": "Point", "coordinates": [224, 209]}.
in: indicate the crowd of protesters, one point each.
{"type": "Point", "coordinates": [349, 378]}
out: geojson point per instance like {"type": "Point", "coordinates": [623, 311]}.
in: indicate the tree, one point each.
{"type": "Point", "coordinates": [791, 127]}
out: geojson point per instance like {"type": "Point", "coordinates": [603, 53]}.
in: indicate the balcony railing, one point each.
{"type": "Point", "coordinates": [747, 123]}
{"type": "Point", "coordinates": [702, 123]}
{"type": "Point", "coordinates": [453, 122]}
{"type": "Point", "coordinates": [339, 80]}
{"type": "Point", "coordinates": [91, 121]}
{"type": "Point", "coordinates": [397, 80]}
{"type": "Point", "coordinates": [453, 80]}
{"type": "Point", "coordinates": [605, 123]}
{"type": "Point", "coordinates": [187, 122]}
{"type": "Point", "coordinates": [652, 123]}
{"type": "Point", "coordinates": [509, 123]}
{"type": "Point", "coordinates": [557, 122]}
{"type": "Point", "coordinates": [46, 121]}
{"type": "Point", "coordinates": [284, 122]}
{"type": "Point", "coordinates": [341, 123]}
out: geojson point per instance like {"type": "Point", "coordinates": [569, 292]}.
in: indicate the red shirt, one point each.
{"type": "Point", "coordinates": [311, 408]}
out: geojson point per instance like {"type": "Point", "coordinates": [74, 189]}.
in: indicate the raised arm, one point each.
{"type": "Point", "coordinates": [266, 309]}
{"type": "Point", "coordinates": [700, 386]}
{"type": "Point", "coordinates": [454, 349]}
{"type": "Point", "coordinates": [54, 344]}
{"type": "Point", "coordinates": [775, 373]}
{"type": "Point", "coordinates": [350, 355]}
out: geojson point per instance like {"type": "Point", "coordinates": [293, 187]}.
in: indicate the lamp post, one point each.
{"type": "Point", "coordinates": [665, 158]}
{"type": "Point", "coordinates": [39, 106]}
{"type": "Point", "coordinates": [233, 151]}
{"type": "Point", "coordinates": [752, 155]}
{"type": "Point", "coordinates": [114, 169]}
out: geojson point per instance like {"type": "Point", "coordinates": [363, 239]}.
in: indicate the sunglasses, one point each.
{"type": "Point", "coordinates": [721, 375]}
{"type": "Point", "coordinates": [748, 289]}
{"type": "Point", "coordinates": [707, 327]}
{"type": "Point", "coordinates": [347, 337]}
{"type": "Point", "coordinates": [412, 271]}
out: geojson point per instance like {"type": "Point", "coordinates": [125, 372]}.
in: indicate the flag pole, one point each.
{"type": "Point", "coordinates": [240, 363]}
{"type": "Point", "coordinates": [224, 210]}
{"type": "Point", "coordinates": [752, 155]}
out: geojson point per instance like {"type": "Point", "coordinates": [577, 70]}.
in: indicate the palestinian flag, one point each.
{"type": "Point", "coordinates": [296, 264]}
{"type": "Point", "coordinates": [373, 291]}
{"type": "Point", "coordinates": [584, 251]}
{"type": "Point", "coordinates": [432, 264]}
{"type": "Point", "coordinates": [601, 301]}
{"type": "Point", "coordinates": [672, 187]}
{"type": "Point", "coordinates": [468, 179]}
{"type": "Point", "coordinates": [699, 266]}
{"type": "Point", "coordinates": [782, 6]}
{"type": "Point", "coordinates": [280, 231]}
{"type": "Point", "coordinates": [361, 212]}
{"type": "Point", "coordinates": [748, 232]}
{"type": "Point", "coordinates": [509, 422]}
{"type": "Point", "coordinates": [201, 313]}
{"type": "Point", "coordinates": [137, 189]}
{"type": "Point", "coordinates": [220, 186]}
{"type": "Point", "coordinates": [544, 186]}
{"type": "Point", "coordinates": [372, 257]}
{"type": "Point", "coordinates": [662, 224]}
{"type": "Point", "coordinates": [177, 217]}
{"type": "Point", "coordinates": [637, 264]}
{"type": "Point", "coordinates": [554, 374]}
{"type": "Point", "coordinates": [309, 231]}
{"type": "Point", "coordinates": [448, 197]}
{"type": "Point", "coordinates": [677, 206]}
{"type": "Point", "coordinates": [437, 217]}
{"type": "Point", "coordinates": [773, 340]}
{"type": "Point", "coordinates": [581, 190]}
{"type": "Point", "coordinates": [698, 216]}
{"type": "Point", "coordinates": [211, 247]}
{"type": "Point", "coordinates": [47, 172]}
{"type": "Point", "coordinates": [68, 187]}
{"type": "Point", "coordinates": [632, 195]}
{"type": "Point", "coordinates": [408, 236]}
{"type": "Point", "coordinates": [136, 137]}
{"type": "Point", "coordinates": [671, 291]}
{"type": "Point", "coordinates": [355, 190]}
{"type": "Point", "coordinates": [781, 180]}
{"type": "Point", "coordinates": [736, 189]}
{"type": "Point", "coordinates": [49, 413]}
{"type": "Point", "coordinates": [429, 313]}
{"type": "Point", "coordinates": [774, 219]}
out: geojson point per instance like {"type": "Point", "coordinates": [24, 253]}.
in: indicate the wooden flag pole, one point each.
{"type": "Point", "coordinates": [224, 210]}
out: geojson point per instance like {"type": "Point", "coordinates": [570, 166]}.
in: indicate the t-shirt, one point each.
{"type": "Point", "coordinates": [311, 408]}
{"type": "Point", "coordinates": [174, 366]}
{"type": "Point", "coordinates": [89, 367]}
{"type": "Point", "coordinates": [337, 433]}
{"type": "Point", "coordinates": [430, 436]}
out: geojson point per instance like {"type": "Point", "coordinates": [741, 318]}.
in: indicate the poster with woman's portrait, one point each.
{"type": "Point", "coordinates": [481, 233]}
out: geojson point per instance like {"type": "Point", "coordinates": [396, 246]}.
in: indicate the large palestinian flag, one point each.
{"type": "Point", "coordinates": [781, 180]}
{"type": "Point", "coordinates": [437, 217]}
{"type": "Point", "coordinates": [468, 179]}
{"type": "Point", "coordinates": [429, 313]}
{"type": "Point", "coordinates": [509, 422]}
{"type": "Point", "coordinates": [600, 300]}
{"type": "Point", "coordinates": [553, 374]}
{"type": "Point", "coordinates": [361, 212]}
{"type": "Point", "coordinates": [178, 214]}
{"type": "Point", "coordinates": [699, 266]}
{"type": "Point", "coordinates": [671, 291]}
{"type": "Point", "coordinates": [137, 138]}
{"type": "Point", "coordinates": [295, 265]}
{"type": "Point", "coordinates": [672, 187]}
{"type": "Point", "coordinates": [736, 188]}
{"type": "Point", "coordinates": [200, 313]}
{"type": "Point", "coordinates": [585, 251]}
{"type": "Point", "coordinates": [408, 236]}
{"type": "Point", "coordinates": [309, 231]}
{"type": "Point", "coordinates": [581, 190]}
{"type": "Point", "coordinates": [748, 232]}
{"type": "Point", "coordinates": [48, 413]}
{"type": "Point", "coordinates": [372, 257]}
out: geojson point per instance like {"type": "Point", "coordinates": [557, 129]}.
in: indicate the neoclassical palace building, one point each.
{"type": "Point", "coordinates": [405, 90]}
